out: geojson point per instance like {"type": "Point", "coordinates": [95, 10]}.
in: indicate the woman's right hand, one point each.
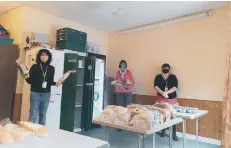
{"type": "Point", "coordinates": [164, 94]}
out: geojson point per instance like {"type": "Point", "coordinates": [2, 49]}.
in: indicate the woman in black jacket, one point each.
{"type": "Point", "coordinates": [41, 78]}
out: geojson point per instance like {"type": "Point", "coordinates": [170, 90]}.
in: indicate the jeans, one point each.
{"type": "Point", "coordinates": [123, 97]}
{"type": "Point", "coordinates": [39, 103]}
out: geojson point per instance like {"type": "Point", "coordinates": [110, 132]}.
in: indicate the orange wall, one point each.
{"type": "Point", "coordinates": [195, 49]}
{"type": "Point", "coordinates": [22, 20]}
{"type": "Point", "coordinates": [41, 22]}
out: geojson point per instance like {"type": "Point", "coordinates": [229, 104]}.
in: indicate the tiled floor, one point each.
{"type": "Point", "coordinates": [125, 139]}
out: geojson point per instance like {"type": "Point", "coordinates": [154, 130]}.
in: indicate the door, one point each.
{"type": "Point", "coordinates": [98, 87]}
{"type": "Point", "coordinates": [69, 93]}
{"type": "Point", "coordinates": [8, 75]}
{"type": "Point", "coordinates": [88, 93]}
{"type": "Point", "coordinates": [54, 109]}
{"type": "Point", "coordinates": [58, 63]}
{"type": "Point", "coordinates": [53, 113]}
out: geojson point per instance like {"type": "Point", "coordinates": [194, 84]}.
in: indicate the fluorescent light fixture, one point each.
{"type": "Point", "coordinates": [168, 23]}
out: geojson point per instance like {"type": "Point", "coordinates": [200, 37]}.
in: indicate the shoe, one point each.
{"type": "Point", "coordinates": [163, 134]}
{"type": "Point", "coordinates": [175, 138]}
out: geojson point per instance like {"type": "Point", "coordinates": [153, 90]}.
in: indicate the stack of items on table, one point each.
{"type": "Point", "coordinates": [10, 133]}
{"type": "Point", "coordinates": [139, 117]}
{"type": "Point", "coordinates": [188, 110]}
{"type": "Point", "coordinates": [4, 36]}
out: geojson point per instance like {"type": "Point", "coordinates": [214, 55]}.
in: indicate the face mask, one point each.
{"type": "Point", "coordinates": [165, 71]}
{"type": "Point", "coordinates": [123, 67]}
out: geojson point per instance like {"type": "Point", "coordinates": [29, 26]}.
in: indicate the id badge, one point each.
{"type": "Point", "coordinates": [44, 85]}
{"type": "Point", "coordinates": [166, 89]}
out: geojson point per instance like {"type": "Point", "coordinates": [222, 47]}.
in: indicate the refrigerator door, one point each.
{"type": "Point", "coordinates": [88, 93]}
{"type": "Point", "coordinates": [69, 93]}
{"type": "Point", "coordinates": [53, 112]}
{"type": "Point", "coordinates": [95, 66]}
{"type": "Point", "coordinates": [98, 87]}
{"type": "Point", "coordinates": [58, 63]}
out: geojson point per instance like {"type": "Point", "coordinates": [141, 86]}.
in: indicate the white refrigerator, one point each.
{"type": "Point", "coordinates": [53, 112]}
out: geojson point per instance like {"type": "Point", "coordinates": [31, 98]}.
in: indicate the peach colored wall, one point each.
{"type": "Point", "coordinates": [24, 19]}
{"type": "Point", "coordinates": [39, 21]}
{"type": "Point", "coordinates": [195, 49]}
{"type": "Point", "coordinates": [12, 21]}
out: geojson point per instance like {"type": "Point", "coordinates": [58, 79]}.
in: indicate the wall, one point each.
{"type": "Point", "coordinates": [41, 22]}
{"type": "Point", "coordinates": [195, 49]}
{"type": "Point", "coordinates": [12, 22]}
{"type": "Point", "coordinates": [197, 52]}
{"type": "Point", "coordinates": [226, 130]}
{"type": "Point", "coordinates": [24, 19]}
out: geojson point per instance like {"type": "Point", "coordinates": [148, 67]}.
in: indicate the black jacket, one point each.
{"type": "Point", "coordinates": [170, 83]}
{"type": "Point", "coordinates": [36, 78]}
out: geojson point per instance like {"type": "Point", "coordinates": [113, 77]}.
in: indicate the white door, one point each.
{"type": "Point", "coordinates": [58, 63]}
{"type": "Point", "coordinates": [54, 109]}
{"type": "Point", "coordinates": [53, 112]}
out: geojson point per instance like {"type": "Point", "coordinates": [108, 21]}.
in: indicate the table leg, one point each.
{"type": "Point", "coordinates": [141, 141]}
{"type": "Point", "coordinates": [154, 140]}
{"type": "Point", "coordinates": [184, 133]}
{"type": "Point", "coordinates": [170, 137]}
{"type": "Point", "coordinates": [197, 131]}
{"type": "Point", "coordinates": [106, 133]}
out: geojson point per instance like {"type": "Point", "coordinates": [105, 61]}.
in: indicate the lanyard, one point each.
{"type": "Point", "coordinates": [166, 81]}
{"type": "Point", "coordinates": [44, 73]}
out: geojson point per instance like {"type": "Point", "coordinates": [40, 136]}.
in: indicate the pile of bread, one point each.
{"type": "Point", "coordinates": [10, 133]}
{"type": "Point", "coordinates": [138, 116]}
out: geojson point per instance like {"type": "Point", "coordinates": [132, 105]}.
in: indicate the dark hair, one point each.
{"type": "Point", "coordinates": [123, 61]}
{"type": "Point", "coordinates": [38, 60]}
{"type": "Point", "coordinates": [166, 65]}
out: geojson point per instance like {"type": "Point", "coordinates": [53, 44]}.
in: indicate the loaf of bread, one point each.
{"type": "Point", "coordinates": [5, 121]}
{"type": "Point", "coordinates": [5, 136]}
{"type": "Point", "coordinates": [36, 129]}
{"type": "Point", "coordinates": [18, 133]}
{"type": "Point", "coordinates": [64, 77]}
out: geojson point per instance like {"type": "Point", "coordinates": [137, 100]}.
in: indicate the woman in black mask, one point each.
{"type": "Point", "coordinates": [166, 86]}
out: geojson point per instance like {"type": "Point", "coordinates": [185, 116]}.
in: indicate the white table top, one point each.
{"type": "Point", "coordinates": [59, 139]}
{"type": "Point", "coordinates": [155, 129]}
{"type": "Point", "coordinates": [192, 116]}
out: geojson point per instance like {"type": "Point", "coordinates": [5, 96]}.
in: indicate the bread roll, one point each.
{"type": "Point", "coordinates": [36, 129]}
{"type": "Point", "coordinates": [19, 134]}
{"type": "Point", "coordinates": [42, 132]}
{"type": "Point", "coordinates": [5, 137]}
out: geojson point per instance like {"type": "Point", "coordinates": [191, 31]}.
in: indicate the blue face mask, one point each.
{"type": "Point", "coordinates": [123, 67]}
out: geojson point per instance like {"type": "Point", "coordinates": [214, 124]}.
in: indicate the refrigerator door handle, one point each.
{"type": "Point", "coordinates": [89, 84]}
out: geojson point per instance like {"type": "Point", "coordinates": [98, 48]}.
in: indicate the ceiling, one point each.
{"type": "Point", "coordinates": [6, 6]}
{"type": "Point", "coordinates": [117, 15]}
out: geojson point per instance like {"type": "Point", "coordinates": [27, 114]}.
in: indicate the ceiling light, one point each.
{"type": "Point", "coordinates": [168, 23]}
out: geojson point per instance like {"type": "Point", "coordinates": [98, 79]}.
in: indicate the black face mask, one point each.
{"type": "Point", "coordinates": [165, 71]}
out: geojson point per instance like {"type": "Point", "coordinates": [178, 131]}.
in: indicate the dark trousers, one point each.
{"type": "Point", "coordinates": [173, 130]}
{"type": "Point", "coordinates": [123, 99]}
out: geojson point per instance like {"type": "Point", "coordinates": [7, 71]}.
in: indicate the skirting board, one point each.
{"type": "Point", "coordinates": [201, 139]}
